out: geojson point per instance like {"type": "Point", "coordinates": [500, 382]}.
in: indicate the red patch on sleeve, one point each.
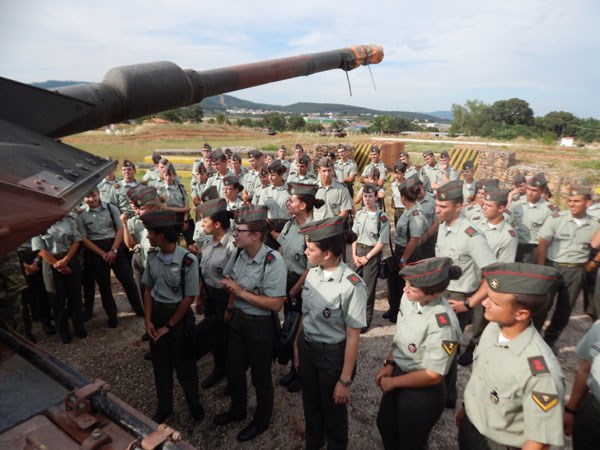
{"type": "Point", "coordinates": [442, 320]}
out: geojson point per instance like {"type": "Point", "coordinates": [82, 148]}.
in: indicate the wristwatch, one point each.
{"type": "Point", "coordinates": [466, 303]}
{"type": "Point", "coordinates": [114, 250]}
{"type": "Point", "coordinates": [388, 362]}
{"type": "Point", "coordinates": [169, 326]}
{"type": "Point", "coordinates": [344, 382]}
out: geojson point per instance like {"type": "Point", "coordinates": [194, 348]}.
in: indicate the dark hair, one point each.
{"type": "Point", "coordinates": [411, 193]}
{"type": "Point", "coordinates": [261, 226]}
{"type": "Point", "coordinates": [171, 233]}
{"type": "Point", "coordinates": [337, 244]}
{"type": "Point", "coordinates": [531, 302]}
{"type": "Point", "coordinates": [454, 273]}
{"type": "Point", "coordinates": [156, 158]}
{"type": "Point", "coordinates": [310, 201]}
{"type": "Point", "coordinates": [223, 217]}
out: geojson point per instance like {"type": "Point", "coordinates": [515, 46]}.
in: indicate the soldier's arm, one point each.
{"type": "Point", "coordinates": [541, 252]}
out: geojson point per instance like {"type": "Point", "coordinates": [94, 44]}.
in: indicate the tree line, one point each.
{"type": "Point", "coordinates": [508, 119]}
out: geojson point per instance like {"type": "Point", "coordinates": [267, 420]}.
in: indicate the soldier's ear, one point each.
{"type": "Point", "coordinates": [522, 315]}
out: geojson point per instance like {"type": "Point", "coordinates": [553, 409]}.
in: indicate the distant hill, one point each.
{"type": "Point", "coordinates": [223, 102]}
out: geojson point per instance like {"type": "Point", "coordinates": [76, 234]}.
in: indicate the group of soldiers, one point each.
{"type": "Point", "coordinates": [511, 246]}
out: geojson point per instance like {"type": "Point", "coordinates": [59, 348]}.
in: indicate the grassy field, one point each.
{"type": "Point", "coordinates": [135, 142]}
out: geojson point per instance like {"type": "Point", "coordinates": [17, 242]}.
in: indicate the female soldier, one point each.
{"type": "Point", "coordinates": [177, 201]}
{"type": "Point", "coordinates": [216, 251]}
{"type": "Point", "coordinates": [409, 229]}
{"type": "Point", "coordinates": [256, 284]}
{"type": "Point", "coordinates": [171, 283]}
{"type": "Point", "coordinates": [427, 336]}
{"type": "Point", "coordinates": [373, 230]}
{"type": "Point", "coordinates": [275, 197]}
{"type": "Point", "coordinates": [62, 275]}
{"type": "Point", "coordinates": [232, 189]}
{"type": "Point", "coordinates": [300, 206]}
{"type": "Point", "coordinates": [334, 301]}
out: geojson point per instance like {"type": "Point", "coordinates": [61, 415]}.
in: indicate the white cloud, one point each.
{"type": "Point", "coordinates": [437, 53]}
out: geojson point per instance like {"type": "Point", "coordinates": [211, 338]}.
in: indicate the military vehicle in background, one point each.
{"type": "Point", "coordinates": [46, 404]}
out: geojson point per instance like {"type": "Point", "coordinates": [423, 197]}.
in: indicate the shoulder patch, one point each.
{"type": "Point", "coordinates": [450, 347]}
{"type": "Point", "coordinates": [187, 261]}
{"type": "Point", "coordinates": [537, 365]}
{"type": "Point", "coordinates": [269, 258]}
{"type": "Point", "coordinates": [513, 233]}
{"type": "Point", "coordinates": [116, 185]}
{"type": "Point", "coordinates": [555, 215]}
{"type": "Point", "coordinates": [416, 212]}
{"type": "Point", "coordinates": [552, 207]}
{"type": "Point", "coordinates": [471, 231]}
{"type": "Point", "coordinates": [353, 278]}
{"type": "Point", "coordinates": [514, 224]}
{"type": "Point", "coordinates": [442, 320]}
{"type": "Point", "coordinates": [383, 218]}
{"type": "Point", "coordinates": [470, 208]}
{"type": "Point", "coordinates": [545, 401]}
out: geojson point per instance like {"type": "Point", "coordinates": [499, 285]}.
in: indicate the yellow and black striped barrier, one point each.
{"type": "Point", "coordinates": [459, 156]}
{"type": "Point", "coordinates": [362, 156]}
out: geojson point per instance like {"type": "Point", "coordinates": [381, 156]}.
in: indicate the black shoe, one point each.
{"type": "Point", "coordinates": [81, 333]}
{"type": "Point", "coordinates": [393, 318]}
{"type": "Point", "coordinates": [197, 413]}
{"type": "Point", "coordinates": [49, 328]}
{"type": "Point", "coordinates": [212, 379]}
{"type": "Point", "coordinates": [227, 417]}
{"type": "Point", "coordinates": [294, 386]}
{"type": "Point", "coordinates": [148, 356]}
{"type": "Point", "coordinates": [145, 337]}
{"type": "Point", "coordinates": [451, 403]}
{"type": "Point", "coordinates": [112, 322]}
{"type": "Point", "coordinates": [65, 338]}
{"type": "Point", "coordinates": [227, 390]}
{"type": "Point", "coordinates": [288, 378]}
{"type": "Point", "coordinates": [466, 359]}
{"type": "Point", "coordinates": [363, 330]}
{"type": "Point", "coordinates": [389, 313]}
{"type": "Point", "coordinates": [159, 417]}
{"type": "Point", "coordinates": [251, 431]}
{"type": "Point", "coordinates": [30, 337]}
{"type": "Point", "coordinates": [139, 312]}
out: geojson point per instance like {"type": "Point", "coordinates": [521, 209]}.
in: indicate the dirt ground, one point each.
{"type": "Point", "coordinates": [116, 356]}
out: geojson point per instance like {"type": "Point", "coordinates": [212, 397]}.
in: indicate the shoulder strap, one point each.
{"type": "Point", "coordinates": [112, 217]}
{"type": "Point", "coordinates": [182, 273]}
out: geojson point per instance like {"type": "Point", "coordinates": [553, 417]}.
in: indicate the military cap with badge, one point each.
{"type": "Point", "coordinates": [453, 190]}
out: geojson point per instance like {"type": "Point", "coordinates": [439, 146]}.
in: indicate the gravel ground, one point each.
{"type": "Point", "coordinates": [116, 356]}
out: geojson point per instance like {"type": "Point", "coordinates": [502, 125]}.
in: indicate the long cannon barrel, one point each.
{"type": "Point", "coordinates": [134, 91]}
{"type": "Point", "coordinates": [43, 179]}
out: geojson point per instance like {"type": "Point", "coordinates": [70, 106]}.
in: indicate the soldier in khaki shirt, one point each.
{"type": "Point", "coordinates": [565, 243]}
{"type": "Point", "coordinates": [514, 396]}
{"type": "Point", "coordinates": [425, 343]}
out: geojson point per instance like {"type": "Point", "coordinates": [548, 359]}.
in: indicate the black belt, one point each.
{"type": "Point", "coordinates": [529, 246]}
{"type": "Point", "coordinates": [364, 246]}
{"type": "Point", "coordinates": [244, 315]}
{"type": "Point", "coordinates": [324, 345]}
{"type": "Point", "coordinates": [165, 306]}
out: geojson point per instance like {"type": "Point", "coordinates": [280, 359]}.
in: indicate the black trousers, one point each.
{"type": "Point", "coordinates": [586, 432]}
{"type": "Point", "coordinates": [406, 416]}
{"type": "Point", "coordinates": [214, 307]}
{"type": "Point", "coordinates": [463, 320]}
{"type": "Point", "coordinates": [170, 352]}
{"type": "Point", "coordinates": [251, 340]}
{"type": "Point", "coordinates": [35, 302]}
{"type": "Point", "coordinates": [64, 292]}
{"type": "Point", "coordinates": [122, 269]}
{"type": "Point", "coordinates": [137, 269]}
{"type": "Point", "coordinates": [526, 253]}
{"type": "Point", "coordinates": [396, 282]}
{"type": "Point", "coordinates": [469, 438]}
{"type": "Point", "coordinates": [369, 273]}
{"type": "Point", "coordinates": [320, 370]}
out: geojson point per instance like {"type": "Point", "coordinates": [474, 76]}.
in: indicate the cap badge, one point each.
{"type": "Point", "coordinates": [494, 283]}
{"type": "Point", "coordinates": [327, 313]}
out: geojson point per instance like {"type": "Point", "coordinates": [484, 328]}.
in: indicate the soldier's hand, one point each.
{"type": "Point", "coordinates": [460, 415]}
{"type": "Point", "coordinates": [590, 266]}
{"type": "Point", "coordinates": [198, 306]}
{"type": "Point", "coordinates": [160, 333]}
{"type": "Point", "coordinates": [296, 357]}
{"type": "Point", "coordinates": [568, 422]}
{"type": "Point", "coordinates": [341, 394]}
{"type": "Point", "coordinates": [387, 384]}
{"type": "Point", "coordinates": [227, 316]}
{"type": "Point", "coordinates": [458, 306]}
{"type": "Point", "coordinates": [385, 371]}
{"type": "Point", "coordinates": [151, 331]}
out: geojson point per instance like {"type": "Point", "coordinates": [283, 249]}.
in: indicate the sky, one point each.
{"type": "Point", "coordinates": [437, 52]}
